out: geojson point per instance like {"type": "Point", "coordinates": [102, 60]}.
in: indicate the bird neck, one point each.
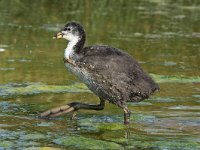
{"type": "Point", "coordinates": [74, 46]}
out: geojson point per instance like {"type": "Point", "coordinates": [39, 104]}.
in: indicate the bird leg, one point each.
{"type": "Point", "coordinates": [127, 114]}
{"type": "Point", "coordinates": [74, 106]}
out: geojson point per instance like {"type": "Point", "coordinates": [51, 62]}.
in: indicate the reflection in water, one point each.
{"type": "Point", "coordinates": [162, 35]}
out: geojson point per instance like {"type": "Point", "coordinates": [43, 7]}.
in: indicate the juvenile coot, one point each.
{"type": "Point", "coordinates": [108, 72]}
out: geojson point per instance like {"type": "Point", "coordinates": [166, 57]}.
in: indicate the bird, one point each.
{"type": "Point", "coordinates": [110, 73]}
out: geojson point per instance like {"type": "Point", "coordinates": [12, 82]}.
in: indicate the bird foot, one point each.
{"type": "Point", "coordinates": [74, 106]}
{"type": "Point", "coordinates": [57, 111]}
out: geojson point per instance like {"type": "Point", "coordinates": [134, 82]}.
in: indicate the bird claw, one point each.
{"type": "Point", "coordinates": [57, 111]}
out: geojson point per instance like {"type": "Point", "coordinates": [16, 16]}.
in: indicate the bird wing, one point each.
{"type": "Point", "coordinates": [117, 72]}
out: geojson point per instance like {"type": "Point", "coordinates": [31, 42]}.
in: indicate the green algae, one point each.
{"type": "Point", "coordinates": [117, 123]}
{"type": "Point", "coordinates": [175, 79]}
{"type": "Point", "coordinates": [42, 148]}
{"type": "Point", "coordinates": [101, 123]}
{"type": "Point", "coordinates": [161, 145]}
{"type": "Point", "coordinates": [45, 124]}
{"type": "Point", "coordinates": [5, 144]}
{"type": "Point", "coordinates": [143, 141]}
{"type": "Point", "coordinates": [110, 126]}
{"type": "Point", "coordinates": [34, 136]}
{"type": "Point", "coordinates": [19, 139]}
{"type": "Point", "coordinates": [162, 34]}
{"type": "Point", "coordinates": [80, 142]}
{"type": "Point", "coordinates": [113, 123]}
{"type": "Point", "coordinates": [15, 89]}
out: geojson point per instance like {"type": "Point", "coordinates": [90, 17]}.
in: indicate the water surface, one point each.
{"type": "Point", "coordinates": [163, 35]}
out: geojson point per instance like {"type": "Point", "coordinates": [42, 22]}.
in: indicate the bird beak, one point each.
{"type": "Point", "coordinates": [58, 35]}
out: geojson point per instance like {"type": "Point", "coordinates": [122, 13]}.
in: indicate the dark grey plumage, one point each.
{"type": "Point", "coordinates": [116, 75]}
{"type": "Point", "coordinates": [110, 73]}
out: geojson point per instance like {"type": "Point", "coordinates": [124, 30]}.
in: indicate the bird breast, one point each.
{"type": "Point", "coordinates": [85, 77]}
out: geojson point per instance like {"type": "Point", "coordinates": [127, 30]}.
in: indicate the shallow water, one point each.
{"type": "Point", "coordinates": [163, 35]}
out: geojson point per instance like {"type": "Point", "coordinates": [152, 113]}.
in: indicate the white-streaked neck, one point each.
{"type": "Point", "coordinates": [69, 51]}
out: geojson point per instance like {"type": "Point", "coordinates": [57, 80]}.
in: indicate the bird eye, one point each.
{"type": "Point", "coordinates": [67, 29]}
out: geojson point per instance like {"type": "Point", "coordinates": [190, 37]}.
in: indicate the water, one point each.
{"type": "Point", "coordinates": [162, 35]}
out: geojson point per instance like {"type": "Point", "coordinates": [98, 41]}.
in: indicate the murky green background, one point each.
{"type": "Point", "coordinates": [163, 35]}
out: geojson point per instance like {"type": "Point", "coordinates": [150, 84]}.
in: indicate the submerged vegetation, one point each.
{"type": "Point", "coordinates": [23, 89]}
{"type": "Point", "coordinates": [163, 35]}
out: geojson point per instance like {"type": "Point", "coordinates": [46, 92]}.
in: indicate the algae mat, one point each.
{"type": "Point", "coordinates": [162, 35]}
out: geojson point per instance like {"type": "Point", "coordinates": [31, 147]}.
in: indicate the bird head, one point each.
{"type": "Point", "coordinates": [71, 31]}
